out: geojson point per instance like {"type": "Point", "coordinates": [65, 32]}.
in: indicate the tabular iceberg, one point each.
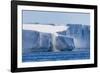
{"type": "Point", "coordinates": [77, 36]}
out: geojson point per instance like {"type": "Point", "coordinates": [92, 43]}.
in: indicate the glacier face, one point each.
{"type": "Point", "coordinates": [64, 43]}
{"type": "Point", "coordinates": [34, 41]}
{"type": "Point", "coordinates": [80, 34]}
{"type": "Point", "coordinates": [30, 39]}
{"type": "Point", "coordinates": [77, 36]}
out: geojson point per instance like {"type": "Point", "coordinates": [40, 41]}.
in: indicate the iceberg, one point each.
{"type": "Point", "coordinates": [70, 37]}
{"type": "Point", "coordinates": [64, 43]}
{"type": "Point", "coordinates": [44, 43]}
{"type": "Point", "coordinates": [81, 35]}
{"type": "Point", "coordinates": [33, 42]}
{"type": "Point", "coordinates": [30, 39]}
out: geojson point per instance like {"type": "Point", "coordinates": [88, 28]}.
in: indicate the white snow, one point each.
{"type": "Point", "coordinates": [45, 28]}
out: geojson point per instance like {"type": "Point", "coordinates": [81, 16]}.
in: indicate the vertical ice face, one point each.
{"type": "Point", "coordinates": [64, 43]}
{"type": "Point", "coordinates": [30, 39]}
{"type": "Point", "coordinates": [80, 34]}
{"type": "Point", "coordinates": [45, 42]}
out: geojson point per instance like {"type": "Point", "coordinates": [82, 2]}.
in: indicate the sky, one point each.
{"type": "Point", "coordinates": [62, 18]}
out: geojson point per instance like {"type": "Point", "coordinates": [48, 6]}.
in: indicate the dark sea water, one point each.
{"type": "Point", "coordinates": [56, 56]}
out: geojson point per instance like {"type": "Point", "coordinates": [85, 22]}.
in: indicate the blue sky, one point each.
{"type": "Point", "coordinates": [64, 18]}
